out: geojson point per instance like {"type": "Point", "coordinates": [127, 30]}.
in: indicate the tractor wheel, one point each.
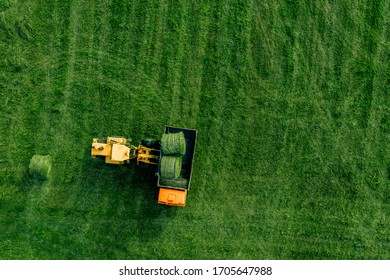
{"type": "Point", "coordinates": [150, 143]}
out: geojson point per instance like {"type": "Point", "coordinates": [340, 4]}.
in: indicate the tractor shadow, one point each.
{"type": "Point", "coordinates": [130, 193]}
{"type": "Point", "coordinates": [153, 218]}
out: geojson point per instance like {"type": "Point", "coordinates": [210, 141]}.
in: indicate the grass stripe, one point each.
{"type": "Point", "coordinates": [289, 100]}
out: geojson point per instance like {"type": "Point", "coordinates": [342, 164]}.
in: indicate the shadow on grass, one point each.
{"type": "Point", "coordinates": [129, 194]}
{"type": "Point", "coordinates": [153, 218]}
{"type": "Point", "coordinates": [92, 210]}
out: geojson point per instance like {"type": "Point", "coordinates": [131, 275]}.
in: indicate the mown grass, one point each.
{"type": "Point", "coordinates": [290, 100]}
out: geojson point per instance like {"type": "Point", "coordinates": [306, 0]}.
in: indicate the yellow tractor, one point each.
{"type": "Point", "coordinates": [173, 155]}
{"type": "Point", "coordinates": [118, 150]}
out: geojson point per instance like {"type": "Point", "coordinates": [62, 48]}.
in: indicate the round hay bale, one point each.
{"type": "Point", "coordinates": [173, 144]}
{"type": "Point", "coordinates": [179, 182]}
{"type": "Point", "coordinates": [170, 167]}
{"type": "Point", "coordinates": [40, 167]}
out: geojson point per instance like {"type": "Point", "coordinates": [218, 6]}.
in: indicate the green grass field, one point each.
{"type": "Point", "coordinates": [290, 100]}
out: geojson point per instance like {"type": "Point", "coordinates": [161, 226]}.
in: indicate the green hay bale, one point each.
{"type": "Point", "coordinates": [40, 167]}
{"type": "Point", "coordinates": [179, 182]}
{"type": "Point", "coordinates": [173, 144]}
{"type": "Point", "coordinates": [170, 167]}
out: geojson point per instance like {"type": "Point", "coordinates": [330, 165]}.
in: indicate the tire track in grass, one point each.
{"type": "Point", "coordinates": [376, 161]}
{"type": "Point", "coordinates": [90, 70]}
{"type": "Point", "coordinates": [85, 66]}
{"type": "Point", "coordinates": [237, 91]}
{"type": "Point", "coordinates": [358, 138]}
{"type": "Point", "coordinates": [100, 59]}
{"type": "Point", "coordinates": [380, 101]}
{"type": "Point", "coordinates": [210, 120]}
{"type": "Point", "coordinates": [175, 74]}
{"type": "Point", "coordinates": [346, 152]}
{"type": "Point", "coordinates": [269, 100]}
{"type": "Point", "coordinates": [237, 94]}
{"type": "Point", "coordinates": [85, 100]}
{"type": "Point", "coordinates": [64, 160]}
{"type": "Point", "coordinates": [143, 67]}
{"type": "Point", "coordinates": [48, 58]}
{"type": "Point", "coordinates": [107, 68]}
{"type": "Point", "coordinates": [53, 93]}
{"type": "Point", "coordinates": [195, 69]}
{"type": "Point", "coordinates": [264, 100]}
{"type": "Point", "coordinates": [96, 58]}
{"type": "Point", "coordinates": [113, 61]}
{"type": "Point", "coordinates": [152, 53]}
{"type": "Point", "coordinates": [228, 92]}
{"type": "Point", "coordinates": [80, 70]}
{"type": "Point", "coordinates": [20, 105]}
{"type": "Point", "coordinates": [212, 101]}
{"type": "Point", "coordinates": [305, 101]}
{"type": "Point", "coordinates": [81, 75]}
{"type": "Point", "coordinates": [131, 42]}
{"type": "Point", "coordinates": [116, 67]}
{"type": "Point", "coordinates": [307, 112]}
{"type": "Point", "coordinates": [58, 131]}
{"type": "Point", "coordinates": [243, 192]}
{"type": "Point", "coordinates": [156, 69]}
{"type": "Point", "coordinates": [72, 47]}
{"type": "Point", "coordinates": [146, 71]}
{"type": "Point", "coordinates": [157, 61]}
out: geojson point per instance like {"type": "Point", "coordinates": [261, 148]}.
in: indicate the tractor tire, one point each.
{"type": "Point", "coordinates": [151, 143]}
